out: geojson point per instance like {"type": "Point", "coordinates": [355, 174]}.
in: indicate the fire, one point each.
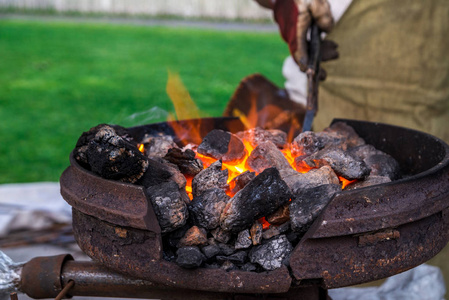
{"type": "Point", "coordinates": [264, 223]}
{"type": "Point", "coordinates": [185, 109]}
{"type": "Point", "coordinates": [189, 132]}
{"type": "Point", "coordinates": [238, 167]}
{"type": "Point", "coordinates": [141, 148]}
{"type": "Point", "coordinates": [345, 182]}
{"type": "Point", "coordinates": [189, 187]}
{"type": "Point", "coordinates": [184, 106]}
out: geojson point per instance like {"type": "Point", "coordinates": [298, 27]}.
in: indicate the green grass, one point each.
{"type": "Point", "coordinates": [60, 79]}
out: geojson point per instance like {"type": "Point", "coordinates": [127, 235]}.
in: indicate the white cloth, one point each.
{"type": "Point", "coordinates": [424, 282]}
{"type": "Point", "coordinates": [31, 206]}
{"type": "Point", "coordinates": [295, 80]}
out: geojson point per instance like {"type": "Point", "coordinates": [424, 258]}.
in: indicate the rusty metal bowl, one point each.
{"type": "Point", "coordinates": [362, 235]}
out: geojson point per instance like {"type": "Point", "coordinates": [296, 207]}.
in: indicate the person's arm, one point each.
{"type": "Point", "coordinates": [294, 18]}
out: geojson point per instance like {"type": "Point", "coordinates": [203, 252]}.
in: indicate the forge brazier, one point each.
{"type": "Point", "coordinates": [362, 235]}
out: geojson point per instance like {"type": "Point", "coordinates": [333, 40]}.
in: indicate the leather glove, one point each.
{"type": "Point", "coordinates": [294, 18]}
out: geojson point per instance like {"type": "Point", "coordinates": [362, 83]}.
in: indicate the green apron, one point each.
{"type": "Point", "coordinates": [393, 66]}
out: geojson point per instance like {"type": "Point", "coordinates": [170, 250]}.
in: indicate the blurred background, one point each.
{"type": "Point", "coordinates": [67, 66]}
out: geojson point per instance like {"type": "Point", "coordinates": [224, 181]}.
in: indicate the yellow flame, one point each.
{"type": "Point", "coordinates": [185, 108]}
{"type": "Point", "coordinates": [141, 148]}
{"type": "Point", "coordinates": [237, 113]}
{"type": "Point", "coordinates": [345, 182]}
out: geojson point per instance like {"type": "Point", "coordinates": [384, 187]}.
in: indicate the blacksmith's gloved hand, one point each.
{"type": "Point", "coordinates": [294, 18]}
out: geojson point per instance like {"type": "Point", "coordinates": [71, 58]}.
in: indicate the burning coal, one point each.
{"type": "Point", "coordinates": [235, 200]}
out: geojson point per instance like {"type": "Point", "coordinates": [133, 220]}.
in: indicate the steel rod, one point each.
{"type": "Point", "coordinates": [59, 276]}
{"type": "Point", "coordinates": [65, 290]}
{"type": "Point", "coordinates": [93, 279]}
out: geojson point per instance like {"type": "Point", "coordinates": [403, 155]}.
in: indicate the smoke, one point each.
{"type": "Point", "coordinates": [152, 115]}
{"type": "Point", "coordinates": [9, 275]}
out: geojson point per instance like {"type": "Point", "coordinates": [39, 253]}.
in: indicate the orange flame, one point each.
{"type": "Point", "coordinates": [185, 109]}
{"type": "Point", "coordinates": [235, 168]}
{"type": "Point", "coordinates": [345, 182]}
{"type": "Point", "coordinates": [141, 148]}
{"type": "Point", "coordinates": [189, 187]}
{"type": "Point", "coordinates": [189, 132]}
{"type": "Point", "coordinates": [264, 222]}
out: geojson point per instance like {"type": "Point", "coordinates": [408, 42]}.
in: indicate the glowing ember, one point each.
{"type": "Point", "coordinates": [345, 182]}
{"type": "Point", "coordinates": [264, 223]}
{"type": "Point", "coordinates": [186, 109]}
{"type": "Point", "coordinates": [141, 148]}
{"type": "Point", "coordinates": [189, 187]}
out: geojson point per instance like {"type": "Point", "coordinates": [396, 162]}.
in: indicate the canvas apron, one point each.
{"type": "Point", "coordinates": [393, 66]}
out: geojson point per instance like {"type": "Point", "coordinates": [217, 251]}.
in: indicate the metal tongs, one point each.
{"type": "Point", "coordinates": [313, 70]}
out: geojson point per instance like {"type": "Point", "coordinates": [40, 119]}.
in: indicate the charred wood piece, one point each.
{"type": "Point", "coordinates": [275, 230]}
{"type": "Point", "coordinates": [243, 240]}
{"type": "Point", "coordinates": [280, 216]}
{"type": "Point", "coordinates": [307, 205]}
{"type": "Point", "coordinates": [342, 162]}
{"type": "Point", "coordinates": [169, 206]}
{"type": "Point", "coordinates": [158, 145]}
{"type": "Point", "coordinates": [105, 151]}
{"type": "Point", "coordinates": [87, 136]}
{"type": "Point", "coordinates": [380, 163]}
{"type": "Point", "coordinates": [205, 209]}
{"type": "Point", "coordinates": [267, 155]}
{"type": "Point", "coordinates": [160, 171]}
{"type": "Point", "coordinates": [212, 241]}
{"type": "Point", "coordinates": [223, 145]}
{"type": "Point", "coordinates": [228, 266]}
{"type": "Point", "coordinates": [315, 177]}
{"type": "Point", "coordinates": [383, 165]}
{"type": "Point", "coordinates": [211, 251]}
{"type": "Point", "coordinates": [256, 136]}
{"type": "Point", "coordinates": [369, 181]}
{"type": "Point", "coordinates": [338, 135]}
{"type": "Point", "coordinates": [256, 233]}
{"type": "Point", "coordinates": [348, 135]}
{"type": "Point", "coordinates": [241, 181]}
{"type": "Point", "coordinates": [212, 177]}
{"type": "Point", "coordinates": [271, 255]}
{"type": "Point", "coordinates": [249, 267]}
{"type": "Point", "coordinates": [226, 249]}
{"type": "Point", "coordinates": [185, 160]}
{"type": "Point", "coordinates": [261, 197]}
{"type": "Point", "coordinates": [293, 237]}
{"type": "Point", "coordinates": [195, 236]}
{"type": "Point", "coordinates": [189, 257]}
{"type": "Point", "coordinates": [238, 258]}
{"type": "Point", "coordinates": [221, 235]}
{"type": "Point", "coordinates": [172, 239]}
{"type": "Point", "coordinates": [307, 143]}
{"type": "Point", "coordinates": [365, 151]}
